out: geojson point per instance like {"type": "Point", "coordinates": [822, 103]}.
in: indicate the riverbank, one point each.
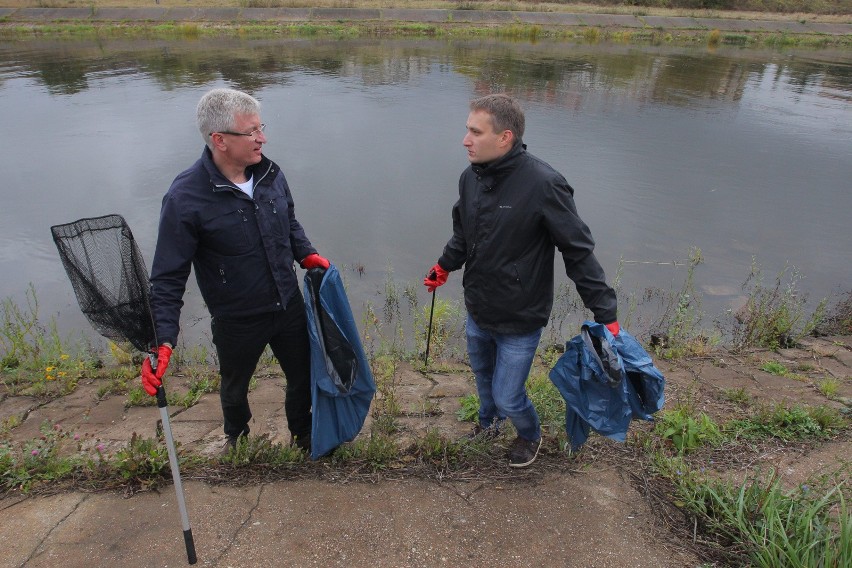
{"type": "Point", "coordinates": [411, 21]}
{"type": "Point", "coordinates": [405, 493]}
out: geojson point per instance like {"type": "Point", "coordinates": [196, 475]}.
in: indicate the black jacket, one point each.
{"type": "Point", "coordinates": [242, 249]}
{"type": "Point", "coordinates": [509, 216]}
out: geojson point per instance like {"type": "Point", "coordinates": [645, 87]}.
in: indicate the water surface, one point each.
{"type": "Point", "coordinates": [743, 153]}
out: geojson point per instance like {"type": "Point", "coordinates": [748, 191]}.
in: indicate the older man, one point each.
{"type": "Point", "coordinates": [230, 216]}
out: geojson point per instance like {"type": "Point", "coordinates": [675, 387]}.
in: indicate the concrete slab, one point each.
{"type": "Point", "coordinates": [481, 17]}
{"type": "Point", "coordinates": [611, 20]}
{"type": "Point", "coordinates": [36, 14]}
{"type": "Point", "coordinates": [275, 14]}
{"type": "Point", "coordinates": [406, 15]}
{"type": "Point", "coordinates": [344, 14]}
{"type": "Point", "coordinates": [186, 14]}
{"type": "Point", "coordinates": [550, 18]}
{"type": "Point", "coordinates": [779, 26]}
{"type": "Point", "coordinates": [416, 524]}
{"type": "Point", "coordinates": [726, 24]}
{"type": "Point", "coordinates": [18, 407]}
{"type": "Point", "coordinates": [130, 14]}
{"type": "Point", "coordinates": [28, 522]}
{"type": "Point", "coordinates": [145, 531]}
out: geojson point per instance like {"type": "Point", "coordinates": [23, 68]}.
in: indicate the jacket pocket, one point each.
{"type": "Point", "coordinates": [229, 233]}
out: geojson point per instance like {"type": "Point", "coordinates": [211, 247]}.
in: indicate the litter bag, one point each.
{"type": "Point", "coordinates": [606, 382]}
{"type": "Point", "coordinates": [342, 385]}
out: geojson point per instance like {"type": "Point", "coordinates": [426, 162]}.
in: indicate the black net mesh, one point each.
{"type": "Point", "coordinates": [109, 277]}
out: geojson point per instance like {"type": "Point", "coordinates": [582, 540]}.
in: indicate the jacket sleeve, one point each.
{"type": "Point", "coordinates": [299, 242]}
{"type": "Point", "coordinates": [574, 240]}
{"type": "Point", "coordinates": [177, 241]}
{"type": "Point", "coordinates": [455, 253]}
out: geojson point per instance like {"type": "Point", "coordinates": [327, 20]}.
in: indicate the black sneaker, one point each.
{"type": "Point", "coordinates": [523, 452]}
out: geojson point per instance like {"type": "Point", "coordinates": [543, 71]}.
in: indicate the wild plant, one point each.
{"type": "Point", "coordinates": [808, 526]}
{"type": "Point", "coordinates": [774, 316]}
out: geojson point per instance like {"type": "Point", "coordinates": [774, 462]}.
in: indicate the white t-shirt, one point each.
{"type": "Point", "coordinates": [247, 187]}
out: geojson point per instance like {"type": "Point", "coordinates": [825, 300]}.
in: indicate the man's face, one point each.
{"type": "Point", "coordinates": [244, 151]}
{"type": "Point", "coordinates": [482, 143]}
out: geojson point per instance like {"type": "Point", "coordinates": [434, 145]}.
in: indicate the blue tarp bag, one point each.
{"type": "Point", "coordinates": [606, 382]}
{"type": "Point", "coordinates": [342, 385]}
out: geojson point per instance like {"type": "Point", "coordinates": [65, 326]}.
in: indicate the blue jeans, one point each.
{"type": "Point", "coordinates": [501, 363]}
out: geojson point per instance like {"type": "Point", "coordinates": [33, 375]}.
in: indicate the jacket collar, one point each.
{"type": "Point", "coordinates": [259, 170]}
{"type": "Point", "coordinates": [492, 173]}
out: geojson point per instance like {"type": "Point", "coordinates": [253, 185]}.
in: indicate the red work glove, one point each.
{"type": "Point", "coordinates": [437, 277]}
{"type": "Point", "coordinates": [151, 379]}
{"type": "Point", "coordinates": [314, 261]}
{"type": "Point", "coordinates": [613, 328]}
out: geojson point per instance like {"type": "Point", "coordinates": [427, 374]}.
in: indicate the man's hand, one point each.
{"type": "Point", "coordinates": [151, 379]}
{"type": "Point", "coordinates": [314, 261]}
{"type": "Point", "coordinates": [613, 328]}
{"type": "Point", "coordinates": [437, 277]}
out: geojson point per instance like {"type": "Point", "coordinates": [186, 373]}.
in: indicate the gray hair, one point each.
{"type": "Point", "coordinates": [217, 108]}
{"type": "Point", "coordinates": [506, 113]}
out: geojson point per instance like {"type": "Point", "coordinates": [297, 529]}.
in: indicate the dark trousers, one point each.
{"type": "Point", "coordinates": [240, 343]}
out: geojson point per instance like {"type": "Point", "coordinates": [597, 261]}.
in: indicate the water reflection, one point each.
{"type": "Point", "coordinates": [738, 152]}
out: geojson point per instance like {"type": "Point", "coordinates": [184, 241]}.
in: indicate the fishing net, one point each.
{"type": "Point", "coordinates": [109, 278]}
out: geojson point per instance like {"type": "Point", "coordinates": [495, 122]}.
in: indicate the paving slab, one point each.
{"type": "Point", "coordinates": [611, 20]}
{"type": "Point", "coordinates": [481, 17]}
{"type": "Point", "coordinates": [551, 18]}
{"type": "Point", "coordinates": [403, 14]}
{"type": "Point", "coordinates": [345, 14]}
{"type": "Point", "coordinates": [130, 14]}
{"type": "Point", "coordinates": [27, 523]}
{"type": "Point", "coordinates": [276, 14]}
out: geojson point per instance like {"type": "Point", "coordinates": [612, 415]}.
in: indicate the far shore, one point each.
{"type": "Point", "coordinates": [204, 18]}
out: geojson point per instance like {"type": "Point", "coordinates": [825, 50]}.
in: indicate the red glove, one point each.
{"type": "Point", "coordinates": [314, 261]}
{"type": "Point", "coordinates": [613, 328]}
{"type": "Point", "coordinates": [151, 379]}
{"type": "Point", "coordinates": [437, 277]}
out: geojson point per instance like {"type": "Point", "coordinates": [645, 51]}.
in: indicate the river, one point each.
{"type": "Point", "coordinates": [743, 153]}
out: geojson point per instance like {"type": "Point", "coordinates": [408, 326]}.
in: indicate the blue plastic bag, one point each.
{"type": "Point", "coordinates": [606, 382]}
{"type": "Point", "coordinates": [342, 385]}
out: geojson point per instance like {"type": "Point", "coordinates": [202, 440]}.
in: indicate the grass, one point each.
{"type": "Point", "coordinates": [809, 526]}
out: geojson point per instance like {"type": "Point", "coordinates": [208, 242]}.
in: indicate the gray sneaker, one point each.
{"type": "Point", "coordinates": [523, 452]}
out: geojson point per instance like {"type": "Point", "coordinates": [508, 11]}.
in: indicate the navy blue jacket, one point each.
{"type": "Point", "coordinates": [509, 216]}
{"type": "Point", "coordinates": [242, 249]}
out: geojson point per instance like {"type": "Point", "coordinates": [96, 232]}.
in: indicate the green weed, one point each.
{"type": "Point", "coordinates": [774, 316]}
{"type": "Point", "coordinates": [774, 368]}
{"type": "Point", "coordinates": [738, 396]}
{"type": "Point", "coordinates": [678, 327]}
{"type": "Point", "coordinates": [687, 430]}
{"type": "Point", "coordinates": [261, 451]}
{"type": "Point", "coordinates": [38, 461]}
{"type": "Point", "coordinates": [142, 460]}
{"type": "Point", "coordinates": [468, 408]}
{"type": "Point", "coordinates": [829, 387]}
{"type": "Point", "coordinates": [806, 527]}
{"type": "Point", "coordinates": [788, 423]}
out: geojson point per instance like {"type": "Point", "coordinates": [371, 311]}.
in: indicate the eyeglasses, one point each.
{"type": "Point", "coordinates": [253, 133]}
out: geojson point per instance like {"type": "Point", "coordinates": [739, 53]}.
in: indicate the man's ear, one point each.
{"type": "Point", "coordinates": [218, 141]}
{"type": "Point", "coordinates": [507, 138]}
